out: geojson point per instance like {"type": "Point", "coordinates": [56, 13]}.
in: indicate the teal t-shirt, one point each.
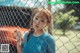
{"type": "Point", "coordinates": [42, 44]}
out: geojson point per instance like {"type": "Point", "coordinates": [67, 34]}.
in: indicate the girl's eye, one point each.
{"type": "Point", "coordinates": [36, 18]}
{"type": "Point", "coordinates": [42, 20]}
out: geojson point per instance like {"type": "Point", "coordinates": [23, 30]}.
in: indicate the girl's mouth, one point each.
{"type": "Point", "coordinates": [37, 26]}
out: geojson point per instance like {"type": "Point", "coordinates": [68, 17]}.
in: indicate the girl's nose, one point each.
{"type": "Point", "coordinates": [37, 22]}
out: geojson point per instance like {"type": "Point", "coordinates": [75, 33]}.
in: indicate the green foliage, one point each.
{"type": "Point", "coordinates": [65, 20]}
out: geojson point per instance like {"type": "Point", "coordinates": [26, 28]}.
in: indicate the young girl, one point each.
{"type": "Point", "coordinates": [38, 41]}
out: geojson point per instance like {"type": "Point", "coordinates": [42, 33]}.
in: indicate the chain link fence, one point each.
{"type": "Point", "coordinates": [19, 14]}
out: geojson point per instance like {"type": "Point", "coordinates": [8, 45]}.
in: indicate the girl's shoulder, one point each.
{"type": "Point", "coordinates": [48, 36]}
{"type": "Point", "coordinates": [49, 39]}
{"type": "Point", "coordinates": [25, 34]}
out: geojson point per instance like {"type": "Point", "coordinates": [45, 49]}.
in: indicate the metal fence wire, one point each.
{"type": "Point", "coordinates": [19, 14]}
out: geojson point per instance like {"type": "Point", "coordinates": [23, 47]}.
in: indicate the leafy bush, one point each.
{"type": "Point", "coordinates": [65, 20]}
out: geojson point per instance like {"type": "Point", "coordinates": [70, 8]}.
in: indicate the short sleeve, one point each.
{"type": "Point", "coordinates": [51, 45]}
{"type": "Point", "coordinates": [24, 39]}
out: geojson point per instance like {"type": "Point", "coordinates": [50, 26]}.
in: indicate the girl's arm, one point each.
{"type": "Point", "coordinates": [18, 35]}
{"type": "Point", "coordinates": [22, 42]}
{"type": "Point", "coordinates": [19, 50]}
{"type": "Point", "coordinates": [51, 47]}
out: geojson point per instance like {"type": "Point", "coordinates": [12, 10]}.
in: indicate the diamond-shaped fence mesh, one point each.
{"type": "Point", "coordinates": [65, 24]}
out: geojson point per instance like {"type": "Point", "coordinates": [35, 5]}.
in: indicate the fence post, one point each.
{"type": "Point", "coordinates": [51, 23]}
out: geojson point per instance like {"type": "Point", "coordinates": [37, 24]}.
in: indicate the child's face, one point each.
{"type": "Point", "coordinates": [39, 21]}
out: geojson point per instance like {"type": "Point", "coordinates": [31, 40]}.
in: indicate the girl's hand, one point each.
{"type": "Point", "coordinates": [18, 35]}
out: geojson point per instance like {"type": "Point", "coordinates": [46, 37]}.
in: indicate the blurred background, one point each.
{"type": "Point", "coordinates": [65, 22]}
